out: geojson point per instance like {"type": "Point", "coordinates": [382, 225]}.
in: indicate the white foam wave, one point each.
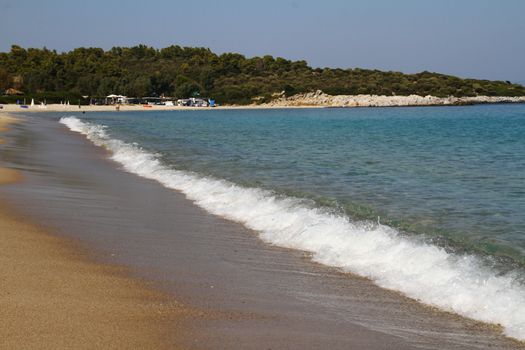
{"type": "Point", "coordinates": [424, 272]}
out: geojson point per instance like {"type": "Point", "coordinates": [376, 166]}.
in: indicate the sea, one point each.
{"type": "Point", "coordinates": [426, 201]}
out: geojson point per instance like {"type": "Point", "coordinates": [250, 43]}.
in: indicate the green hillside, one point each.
{"type": "Point", "coordinates": [229, 78]}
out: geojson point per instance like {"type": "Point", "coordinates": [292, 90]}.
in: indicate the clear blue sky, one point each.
{"type": "Point", "coordinates": [468, 38]}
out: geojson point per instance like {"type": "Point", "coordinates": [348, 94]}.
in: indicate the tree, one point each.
{"type": "Point", "coordinates": [230, 77]}
{"type": "Point", "coordinates": [141, 87]}
{"type": "Point", "coordinates": [4, 80]}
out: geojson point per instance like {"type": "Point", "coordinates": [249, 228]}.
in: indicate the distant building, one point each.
{"type": "Point", "coordinates": [152, 100]}
{"type": "Point", "coordinates": [132, 100]}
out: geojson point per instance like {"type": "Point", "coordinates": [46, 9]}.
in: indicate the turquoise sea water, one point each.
{"type": "Point", "coordinates": [425, 201]}
{"type": "Point", "coordinates": [453, 175]}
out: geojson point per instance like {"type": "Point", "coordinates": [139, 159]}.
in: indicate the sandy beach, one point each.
{"type": "Point", "coordinates": [7, 175]}
{"type": "Point", "coordinates": [316, 99]}
{"type": "Point", "coordinates": [53, 297]}
{"type": "Point", "coordinates": [13, 108]}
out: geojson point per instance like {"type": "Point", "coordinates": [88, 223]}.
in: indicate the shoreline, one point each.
{"type": "Point", "coordinates": [13, 108]}
{"type": "Point", "coordinates": [257, 295]}
{"type": "Point", "coordinates": [54, 296]}
{"type": "Point", "coordinates": [316, 99]}
{"type": "Point", "coordinates": [7, 175]}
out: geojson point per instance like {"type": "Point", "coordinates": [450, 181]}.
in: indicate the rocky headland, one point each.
{"type": "Point", "coordinates": [321, 99]}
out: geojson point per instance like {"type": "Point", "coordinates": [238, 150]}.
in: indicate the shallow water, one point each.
{"type": "Point", "coordinates": [458, 172]}
{"type": "Point", "coordinates": [317, 180]}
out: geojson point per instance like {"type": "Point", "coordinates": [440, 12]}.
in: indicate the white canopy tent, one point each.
{"type": "Point", "coordinates": [115, 99]}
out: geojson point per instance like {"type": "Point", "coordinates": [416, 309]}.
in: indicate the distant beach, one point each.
{"type": "Point", "coordinates": [309, 100]}
{"type": "Point", "coordinates": [12, 108]}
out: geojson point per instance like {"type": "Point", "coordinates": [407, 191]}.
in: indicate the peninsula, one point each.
{"type": "Point", "coordinates": [84, 74]}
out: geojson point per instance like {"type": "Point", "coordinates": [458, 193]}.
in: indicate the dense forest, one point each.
{"type": "Point", "coordinates": [229, 78]}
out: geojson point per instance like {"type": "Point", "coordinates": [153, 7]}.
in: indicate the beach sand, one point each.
{"type": "Point", "coordinates": [53, 297]}
{"type": "Point", "coordinates": [7, 175]}
{"type": "Point", "coordinates": [12, 108]}
{"type": "Point", "coordinates": [5, 121]}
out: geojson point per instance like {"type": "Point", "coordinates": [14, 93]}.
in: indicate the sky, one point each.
{"type": "Point", "coordinates": [468, 38]}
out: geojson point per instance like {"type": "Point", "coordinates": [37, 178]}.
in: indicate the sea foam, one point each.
{"type": "Point", "coordinates": [456, 283]}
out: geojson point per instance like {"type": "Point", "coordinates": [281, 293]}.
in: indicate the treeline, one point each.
{"type": "Point", "coordinates": [229, 78]}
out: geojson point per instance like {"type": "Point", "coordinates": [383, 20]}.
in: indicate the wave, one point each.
{"type": "Point", "coordinates": [452, 282]}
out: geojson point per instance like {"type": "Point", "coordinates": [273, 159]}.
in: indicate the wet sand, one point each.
{"type": "Point", "coordinates": [5, 121]}
{"type": "Point", "coordinates": [256, 296]}
{"type": "Point", "coordinates": [52, 297]}
{"type": "Point", "coordinates": [7, 175]}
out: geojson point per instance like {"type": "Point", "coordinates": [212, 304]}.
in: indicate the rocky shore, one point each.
{"type": "Point", "coordinates": [320, 99]}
